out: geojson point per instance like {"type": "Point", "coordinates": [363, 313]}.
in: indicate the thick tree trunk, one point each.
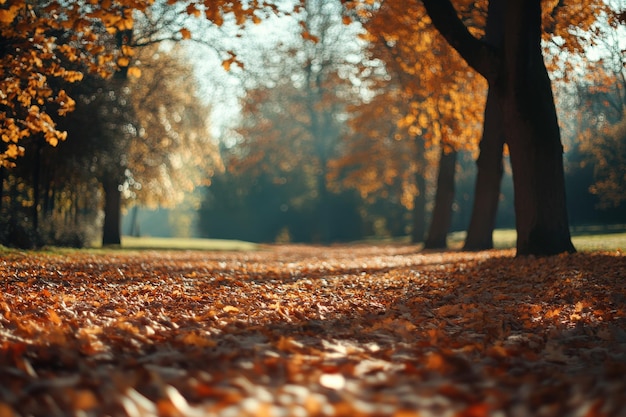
{"type": "Point", "coordinates": [444, 198]}
{"type": "Point", "coordinates": [521, 82]}
{"type": "Point", "coordinates": [533, 136]}
{"type": "Point", "coordinates": [488, 179]}
{"type": "Point", "coordinates": [112, 212]}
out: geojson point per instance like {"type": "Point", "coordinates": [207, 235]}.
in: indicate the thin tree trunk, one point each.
{"type": "Point", "coordinates": [324, 214]}
{"type": "Point", "coordinates": [418, 229]}
{"type": "Point", "coordinates": [489, 163]}
{"type": "Point", "coordinates": [36, 188]}
{"type": "Point", "coordinates": [76, 205]}
{"type": "Point", "coordinates": [488, 179]}
{"type": "Point", "coordinates": [1, 188]}
{"type": "Point", "coordinates": [419, 210]}
{"type": "Point", "coordinates": [112, 212]}
{"type": "Point", "coordinates": [444, 198]}
{"type": "Point", "coordinates": [134, 222]}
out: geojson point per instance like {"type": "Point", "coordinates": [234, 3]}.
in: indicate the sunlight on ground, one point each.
{"type": "Point", "coordinates": [129, 242]}
{"type": "Point", "coordinates": [503, 239]}
{"type": "Point", "coordinates": [582, 240]}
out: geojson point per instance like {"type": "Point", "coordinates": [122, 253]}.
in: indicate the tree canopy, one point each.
{"type": "Point", "coordinates": [42, 44]}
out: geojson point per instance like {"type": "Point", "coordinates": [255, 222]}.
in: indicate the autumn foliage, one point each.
{"type": "Point", "coordinates": [47, 44]}
{"type": "Point", "coordinates": [289, 330]}
{"type": "Point", "coordinates": [427, 99]}
{"type": "Point", "coordinates": [43, 45]}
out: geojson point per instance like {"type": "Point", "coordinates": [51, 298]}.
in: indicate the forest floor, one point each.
{"type": "Point", "coordinates": [366, 330]}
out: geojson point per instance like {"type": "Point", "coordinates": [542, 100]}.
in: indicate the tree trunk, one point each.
{"type": "Point", "coordinates": [36, 189]}
{"type": "Point", "coordinates": [488, 179]}
{"type": "Point", "coordinates": [134, 222]}
{"type": "Point", "coordinates": [533, 136]}
{"type": "Point", "coordinates": [444, 198]}
{"type": "Point", "coordinates": [111, 229]}
{"type": "Point", "coordinates": [489, 163]}
{"type": "Point", "coordinates": [520, 79]}
{"type": "Point", "coordinates": [112, 212]}
{"type": "Point", "coordinates": [418, 229]}
{"type": "Point", "coordinates": [323, 215]}
{"type": "Point", "coordinates": [1, 189]}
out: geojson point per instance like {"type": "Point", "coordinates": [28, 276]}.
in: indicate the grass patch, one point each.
{"type": "Point", "coordinates": [129, 242]}
{"type": "Point", "coordinates": [585, 239]}
{"type": "Point", "coordinates": [147, 243]}
{"type": "Point", "coordinates": [612, 241]}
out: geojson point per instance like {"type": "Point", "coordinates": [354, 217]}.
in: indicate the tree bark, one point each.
{"type": "Point", "coordinates": [488, 179]}
{"type": "Point", "coordinates": [134, 222]}
{"type": "Point", "coordinates": [520, 79]}
{"type": "Point", "coordinates": [36, 189]}
{"type": "Point", "coordinates": [112, 212]}
{"type": "Point", "coordinates": [489, 163]}
{"type": "Point", "coordinates": [533, 136]}
{"type": "Point", "coordinates": [1, 189]}
{"type": "Point", "coordinates": [111, 229]}
{"type": "Point", "coordinates": [418, 229]}
{"type": "Point", "coordinates": [444, 198]}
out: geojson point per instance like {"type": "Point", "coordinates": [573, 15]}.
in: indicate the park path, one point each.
{"type": "Point", "coordinates": [312, 331]}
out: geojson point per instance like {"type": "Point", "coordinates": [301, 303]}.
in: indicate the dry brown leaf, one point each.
{"type": "Point", "coordinates": [198, 333]}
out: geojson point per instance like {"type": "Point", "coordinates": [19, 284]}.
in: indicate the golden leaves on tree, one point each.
{"type": "Point", "coordinates": [43, 38]}
{"type": "Point", "coordinates": [427, 98]}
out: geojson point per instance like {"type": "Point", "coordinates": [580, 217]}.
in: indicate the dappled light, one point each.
{"type": "Point", "coordinates": [299, 330]}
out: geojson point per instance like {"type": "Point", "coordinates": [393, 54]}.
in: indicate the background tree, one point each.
{"type": "Point", "coordinates": [601, 92]}
{"type": "Point", "coordinates": [172, 151]}
{"type": "Point", "coordinates": [51, 40]}
{"type": "Point", "coordinates": [380, 159]}
{"type": "Point", "coordinates": [293, 114]}
{"type": "Point", "coordinates": [154, 131]}
{"type": "Point", "coordinates": [443, 102]}
{"type": "Point", "coordinates": [40, 43]}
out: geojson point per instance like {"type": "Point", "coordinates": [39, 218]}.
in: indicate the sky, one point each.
{"type": "Point", "coordinates": [222, 89]}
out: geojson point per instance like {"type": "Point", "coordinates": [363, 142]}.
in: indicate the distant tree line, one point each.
{"type": "Point", "coordinates": [406, 149]}
{"type": "Point", "coordinates": [136, 133]}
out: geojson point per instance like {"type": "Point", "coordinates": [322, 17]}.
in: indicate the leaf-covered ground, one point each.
{"type": "Point", "coordinates": [311, 331]}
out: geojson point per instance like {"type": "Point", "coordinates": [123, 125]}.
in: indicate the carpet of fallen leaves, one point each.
{"type": "Point", "coordinates": [312, 331]}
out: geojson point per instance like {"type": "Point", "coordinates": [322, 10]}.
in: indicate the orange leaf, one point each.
{"type": "Point", "coordinates": [54, 317]}
{"type": "Point", "coordinates": [186, 33]}
{"type": "Point", "coordinates": [134, 72]}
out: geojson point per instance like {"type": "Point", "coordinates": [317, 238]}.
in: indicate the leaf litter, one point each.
{"type": "Point", "coordinates": [312, 331]}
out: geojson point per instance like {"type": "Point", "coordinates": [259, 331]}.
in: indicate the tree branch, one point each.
{"type": "Point", "coordinates": [479, 55]}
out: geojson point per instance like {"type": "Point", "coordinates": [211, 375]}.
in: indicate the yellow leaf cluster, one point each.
{"type": "Point", "coordinates": [37, 55]}
{"type": "Point", "coordinates": [432, 98]}
{"type": "Point", "coordinates": [7, 16]}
